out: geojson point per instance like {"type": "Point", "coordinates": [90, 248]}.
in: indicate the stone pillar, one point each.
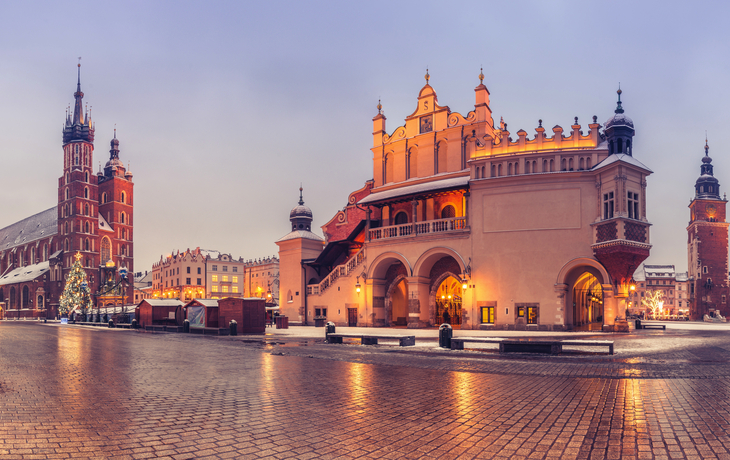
{"type": "Point", "coordinates": [376, 293]}
{"type": "Point", "coordinates": [418, 292]}
{"type": "Point", "coordinates": [414, 205]}
{"type": "Point", "coordinates": [609, 308]}
{"type": "Point", "coordinates": [562, 321]}
{"type": "Point", "coordinates": [467, 195]}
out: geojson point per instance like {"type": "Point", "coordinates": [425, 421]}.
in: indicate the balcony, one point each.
{"type": "Point", "coordinates": [620, 228]}
{"type": "Point", "coordinates": [340, 271]}
{"type": "Point", "coordinates": [450, 225]}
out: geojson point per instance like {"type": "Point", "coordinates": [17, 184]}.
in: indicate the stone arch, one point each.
{"type": "Point", "coordinates": [433, 290]}
{"type": "Point", "coordinates": [423, 265]}
{"type": "Point", "coordinates": [379, 266]}
{"type": "Point", "coordinates": [573, 277]}
{"type": "Point", "coordinates": [390, 291]}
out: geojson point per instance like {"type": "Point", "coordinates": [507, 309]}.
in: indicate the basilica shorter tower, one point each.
{"type": "Point", "coordinates": [707, 246]}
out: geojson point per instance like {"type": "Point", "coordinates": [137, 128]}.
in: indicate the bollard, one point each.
{"type": "Point", "coordinates": [111, 323]}
{"type": "Point", "coordinates": [329, 328]}
{"type": "Point", "coordinates": [233, 326]}
{"type": "Point", "coordinates": [186, 326]}
{"type": "Point", "coordinates": [638, 324]}
{"type": "Point", "coordinates": [445, 332]}
{"type": "Point", "coordinates": [134, 324]}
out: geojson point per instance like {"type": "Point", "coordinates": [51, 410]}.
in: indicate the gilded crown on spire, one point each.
{"type": "Point", "coordinates": [427, 77]}
{"type": "Point", "coordinates": [481, 75]}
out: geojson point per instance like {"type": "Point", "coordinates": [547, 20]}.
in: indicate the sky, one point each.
{"type": "Point", "coordinates": [224, 108]}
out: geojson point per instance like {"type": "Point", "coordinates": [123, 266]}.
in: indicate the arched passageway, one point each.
{"type": "Point", "coordinates": [586, 295]}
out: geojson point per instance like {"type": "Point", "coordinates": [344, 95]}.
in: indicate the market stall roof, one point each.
{"type": "Point", "coordinates": [427, 188]}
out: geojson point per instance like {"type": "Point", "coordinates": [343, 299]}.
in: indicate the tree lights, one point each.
{"type": "Point", "coordinates": [76, 292]}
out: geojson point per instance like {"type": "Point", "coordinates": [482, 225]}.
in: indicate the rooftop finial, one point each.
{"type": "Point", "coordinates": [481, 75]}
{"type": "Point", "coordinates": [707, 147]}
{"type": "Point", "coordinates": [301, 200]}
{"type": "Point", "coordinates": [380, 107]}
{"type": "Point", "coordinates": [428, 77]}
{"type": "Point", "coordinates": [115, 130]}
{"type": "Point", "coordinates": [619, 109]}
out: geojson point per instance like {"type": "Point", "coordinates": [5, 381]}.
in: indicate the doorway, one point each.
{"type": "Point", "coordinates": [352, 317]}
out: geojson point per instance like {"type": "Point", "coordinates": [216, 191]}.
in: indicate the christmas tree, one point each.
{"type": "Point", "coordinates": [76, 292]}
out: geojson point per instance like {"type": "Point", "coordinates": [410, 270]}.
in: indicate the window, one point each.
{"type": "Point", "coordinates": [198, 283]}
{"type": "Point", "coordinates": [608, 205]}
{"type": "Point", "coordinates": [225, 268]}
{"type": "Point", "coordinates": [122, 218]}
{"type": "Point", "coordinates": [187, 280]}
{"type": "Point", "coordinates": [401, 218]}
{"type": "Point", "coordinates": [215, 288]}
{"type": "Point", "coordinates": [532, 312]}
{"type": "Point", "coordinates": [704, 270]}
{"type": "Point", "coordinates": [86, 192]}
{"type": "Point", "coordinates": [724, 300]}
{"type": "Point", "coordinates": [633, 201]}
{"type": "Point", "coordinates": [106, 250]}
{"type": "Point", "coordinates": [225, 278]}
{"type": "Point", "coordinates": [234, 289]}
{"type": "Point", "coordinates": [124, 197]}
{"type": "Point", "coordinates": [214, 278]}
{"type": "Point", "coordinates": [235, 279]}
{"type": "Point", "coordinates": [198, 272]}
{"type": "Point", "coordinates": [225, 288]}
{"type": "Point", "coordinates": [488, 315]}
{"type": "Point", "coordinates": [103, 198]}
{"type": "Point", "coordinates": [214, 268]}
{"type": "Point", "coordinates": [188, 269]}
{"type": "Point", "coordinates": [235, 269]}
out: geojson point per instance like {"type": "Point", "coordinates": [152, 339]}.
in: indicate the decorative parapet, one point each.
{"type": "Point", "coordinates": [340, 271]}
{"type": "Point", "coordinates": [620, 228]}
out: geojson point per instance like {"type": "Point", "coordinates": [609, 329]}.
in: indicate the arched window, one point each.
{"type": "Point", "coordinates": [588, 163]}
{"type": "Point", "coordinates": [448, 212]}
{"type": "Point", "coordinates": [517, 168]}
{"type": "Point", "coordinates": [124, 249]}
{"type": "Point", "coordinates": [86, 192]}
{"type": "Point", "coordinates": [401, 218]}
{"type": "Point", "coordinates": [45, 252]}
{"type": "Point", "coordinates": [545, 166]}
{"type": "Point", "coordinates": [65, 228]}
{"type": "Point", "coordinates": [68, 194]}
{"type": "Point", "coordinates": [552, 165]}
{"type": "Point", "coordinates": [527, 167]}
{"type": "Point", "coordinates": [482, 171]}
{"type": "Point", "coordinates": [32, 256]}
{"type": "Point", "coordinates": [106, 249]}
{"type": "Point", "coordinates": [2, 295]}
{"type": "Point", "coordinates": [509, 169]}
{"type": "Point", "coordinates": [66, 244]}
{"type": "Point", "coordinates": [86, 177]}
{"type": "Point", "coordinates": [26, 297]}
{"type": "Point", "coordinates": [620, 146]}
{"type": "Point", "coordinates": [86, 244]}
{"type": "Point", "coordinates": [39, 305]}
{"type": "Point", "coordinates": [86, 209]}
{"type": "Point", "coordinates": [124, 197]}
{"type": "Point", "coordinates": [499, 170]}
{"type": "Point", "coordinates": [628, 147]}
{"type": "Point", "coordinates": [13, 300]}
{"type": "Point", "coordinates": [476, 173]}
{"type": "Point", "coordinates": [494, 171]}
{"type": "Point", "coordinates": [103, 198]}
{"type": "Point", "coordinates": [122, 217]}
{"type": "Point", "coordinates": [86, 227]}
{"type": "Point", "coordinates": [563, 165]}
{"type": "Point", "coordinates": [570, 164]}
{"type": "Point", "coordinates": [582, 164]}
{"type": "Point", "coordinates": [610, 147]}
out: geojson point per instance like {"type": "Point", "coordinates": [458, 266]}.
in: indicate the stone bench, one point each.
{"type": "Point", "coordinates": [590, 343]}
{"type": "Point", "coordinates": [552, 347]}
{"type": "Point", "coordinates": [457, 343]}
{"type": "Point", "coordinates": [654, 326]}
{"type": "Point", "coordinates": [368, 339]}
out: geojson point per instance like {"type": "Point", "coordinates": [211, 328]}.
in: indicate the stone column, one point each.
{"type": "Point", "coordinates": [367, 224]}
{"type": "Point", "coordinates": [376, 291]}
{"type": "Point", "coordinates": [609, 308]}
{"type": "Point", "coordinates": [414, 205]}
{"type": "Point", "coordinates": [418, 291]}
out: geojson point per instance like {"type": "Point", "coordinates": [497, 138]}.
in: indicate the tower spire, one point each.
{"type": "Point", "coordinates": [79, 96]}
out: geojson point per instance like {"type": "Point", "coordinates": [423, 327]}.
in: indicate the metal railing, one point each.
{"type": "Point", "coordinates": [452, 224]}
{"type": "Point", "coordinates": [339, 271]}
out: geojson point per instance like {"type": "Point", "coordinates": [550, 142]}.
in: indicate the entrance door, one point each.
{"type": "Point", "coordinates": [587, 301]}
{"type": "Point", "coordinates": [352, 317]}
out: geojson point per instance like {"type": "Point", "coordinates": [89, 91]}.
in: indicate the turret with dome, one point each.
{"type": "Point", "coordinates": [619, 130]}
{"type": "Point", "coordinates": [707, 185]}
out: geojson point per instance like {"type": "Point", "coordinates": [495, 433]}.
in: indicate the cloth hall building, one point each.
{"type": "Point", "coordinates": [467, 223]}
{"type": "Point", "coordinates": [93, 218]}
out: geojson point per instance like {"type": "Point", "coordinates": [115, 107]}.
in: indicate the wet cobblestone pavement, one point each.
{"type": "Point", "coordinates": [74, 392]}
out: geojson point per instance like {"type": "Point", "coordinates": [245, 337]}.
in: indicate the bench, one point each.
{"type": "Point", "coordinates": [590, 343]}
{"type": "Point", "coordinates": [368, 339]}
{"type": "Point", "coordinates": [654, 326]}
{"type": "Point", "coordinates": [457, 343]}
{"type": "Point", "coordinates": [552, 347]}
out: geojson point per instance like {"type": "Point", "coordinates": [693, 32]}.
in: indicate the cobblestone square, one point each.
{"type": "Point", "coordinates": [73, 392]}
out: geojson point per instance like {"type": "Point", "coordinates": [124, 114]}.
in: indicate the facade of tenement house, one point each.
{"type": "Point", "coordinates": [180, 275]}
{"type": "Point", "coordinates": [463, 224]}
{"type": "Point", "coordinates": [94, 217]}
{"type": "Point", "coordinates": [707, 246]}
{"type": "Point", "coordinates": [262, 279]}
{"type": "Point", "coordinates": [225, 276]}
{"type": "Point", "coordinates": [665, 279]}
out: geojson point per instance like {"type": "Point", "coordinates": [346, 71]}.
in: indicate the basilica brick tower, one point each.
{"type": "Point", "coordinates": [94, 210]}
{"type": "Point", "coordinates": [707, 246]}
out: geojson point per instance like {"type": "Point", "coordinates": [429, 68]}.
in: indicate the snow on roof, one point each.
{"type": "Point", "coordinates": [104, 225]}
{"type": "Point", "coordinates": [204, 302]}
{"type": "Point", "coordinates": [622, 157]}
{"type": "Point", "coordinates": [35, 227]}
{"type": "Point", "coordinates": [443, 184]}
{"type": "Point", "coordinates": [27, 273]}
{"type": "Point", "coordinates": [306, 234]}
{"type": "Point", "coordinates": [163, 302]}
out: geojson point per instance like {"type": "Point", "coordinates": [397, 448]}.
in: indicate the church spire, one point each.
{"type": "Point", "coordinates": [79, 96]}
{"type": "Point", "coordinates": [707, 185]}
